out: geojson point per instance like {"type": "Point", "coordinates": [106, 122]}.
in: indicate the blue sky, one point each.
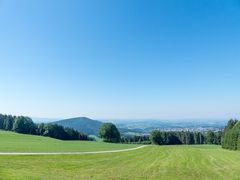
{"type": "Point", "coordinates": [120, 59]}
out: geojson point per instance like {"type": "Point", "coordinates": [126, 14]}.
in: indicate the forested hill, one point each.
{"type": "Point", "coordinates": [82, 124]}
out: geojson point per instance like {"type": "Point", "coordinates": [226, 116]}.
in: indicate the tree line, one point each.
{"type": "Point", "coordinates": [25, 125]}
{"type": "Point", "coordinates": [231, 135]}
{"type": "Point", "coordinates": [110, 133]}
{"type": "Point", "coordinates": [136, 139]}
{"type": "Point", "coordinates": [185, 137]}
{"type": "Point", "coordinates": [175, 137]}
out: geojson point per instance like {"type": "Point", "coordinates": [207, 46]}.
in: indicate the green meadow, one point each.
{"type": "Point", "coordinates": [150, 162]}
{"type": "Point", "coordinates": [13, 142]}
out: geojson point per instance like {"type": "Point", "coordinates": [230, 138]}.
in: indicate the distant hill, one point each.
{"type": "Point", "coordinates": [82, 124]}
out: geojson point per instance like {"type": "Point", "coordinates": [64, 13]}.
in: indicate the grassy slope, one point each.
{"type": "Point", "coordinates": [152, 162]}
{"type": "Point", "coordinates": [13, 142]}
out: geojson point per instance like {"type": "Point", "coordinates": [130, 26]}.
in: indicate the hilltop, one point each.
{"type": "Point", "coordinates": [82, 124]}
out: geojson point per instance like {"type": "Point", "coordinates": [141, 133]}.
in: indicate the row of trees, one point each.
{"type": "Point", "coordinates": [231, 135]}
{"type": "Point", "coordinates": [59, 132]}
{"type": "Point", "coordinates": [144, 139]}
{"type": "Point", "coordinates": [110, 133]}
{"type": "Point", "coordinates": [184, 137]}
{"type": "Point", "coordinates": [18, 124]}
{"type": "Point", "coordinates": [25, 125]}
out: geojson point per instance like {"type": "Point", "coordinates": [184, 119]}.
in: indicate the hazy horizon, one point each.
{"type": "Point", "coordinates": [120, 59]}
{"type": "Point", "coordinates": [42, 119]}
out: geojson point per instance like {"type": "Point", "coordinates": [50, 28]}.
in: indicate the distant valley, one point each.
{"type": "Point", "coordinates": [138, 127]}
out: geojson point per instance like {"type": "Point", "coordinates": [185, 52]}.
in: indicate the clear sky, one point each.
{"type": "Point", "coordinates": [120, 58]}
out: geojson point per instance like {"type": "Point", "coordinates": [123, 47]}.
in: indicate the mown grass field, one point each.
{"type": "Point", "coordinates": [13, 142]}
{"type": "Point", "coordinates": [151, 162]}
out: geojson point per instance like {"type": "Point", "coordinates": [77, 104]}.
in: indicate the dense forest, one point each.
{"type": "Point", "coordinates": [231, 135]}
{"type": "Point", "coordinates": [175, 137]}
{"type": "Point", "coordinates": [25, 125]}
